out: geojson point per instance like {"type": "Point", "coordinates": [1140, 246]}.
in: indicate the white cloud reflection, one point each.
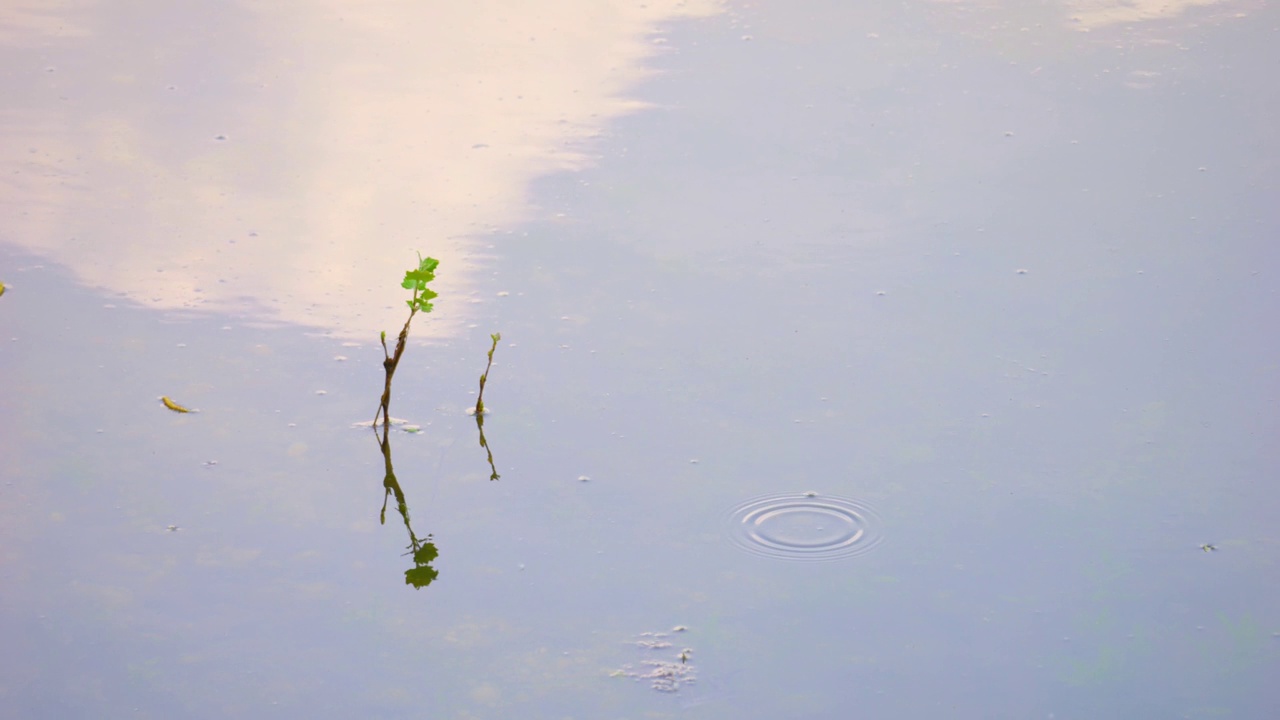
{"type": "Point", "coordinates": [1087, 15]}
{"type": "Point", "coordinates": [288, 158]}
{"type": "Point", "coordinates": [1101, 13]}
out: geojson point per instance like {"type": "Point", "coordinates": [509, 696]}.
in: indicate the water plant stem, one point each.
{"type": "Point", "coordinates": [389, 364]}
{"type": "Point", "coordinates": [484, 377]}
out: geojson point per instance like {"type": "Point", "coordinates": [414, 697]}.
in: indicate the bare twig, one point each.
{"type": "Point", "coordinates": [389, 365]}
{"type": "Point", "coordinates": [484, 377]}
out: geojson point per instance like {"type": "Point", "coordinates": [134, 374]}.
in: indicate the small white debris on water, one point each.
{"type": "Point", "coordinates": [810, 493]}
{"type": "Point", "coordinates": [1022, 271]}
{"type": "Point", "coordinates": [340, 358]}
{"type": "Point", "coordinates": [666, 676]}
{"type": "Point", "coordinates": [583, 478]}
{"type": "Point", "coordinates": [395, 422]}
{"type": "Point", "coordinates": [322, 392]}
{"type": "Point", "coordinates": [653, 644]}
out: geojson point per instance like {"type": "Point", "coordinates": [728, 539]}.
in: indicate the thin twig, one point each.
{"type": "Point", "coordinates": [389, 364]}
{"type": "Point", "coordinates": [484, 377]}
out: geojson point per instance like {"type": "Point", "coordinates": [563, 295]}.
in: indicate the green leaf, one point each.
{"type": "Point", "coordinates": [426, 553]}
{"type": "Point", "coordinates": [420, 577]}
{"type": "Point", "coordinates": [416, 280]}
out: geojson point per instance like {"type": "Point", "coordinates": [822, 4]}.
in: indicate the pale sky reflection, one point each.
{"type": "Point", "coordinates": [1100, 13]}
{"type": "Point", "coordinates": [1088, 15]}
{"type": "Point", "coordinates": [287, 158]}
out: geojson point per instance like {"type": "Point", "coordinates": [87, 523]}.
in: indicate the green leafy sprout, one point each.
{"type": "Point", "coordinates": [415, 279]}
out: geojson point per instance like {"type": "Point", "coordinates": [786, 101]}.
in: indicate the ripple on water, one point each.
{"type": "Point", "coordinates": [804, 526]}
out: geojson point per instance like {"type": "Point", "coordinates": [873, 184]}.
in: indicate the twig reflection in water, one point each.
{"type": "Point", "coordinates": [424, 551]}
{"type": "Point", "coordinates": [479, 409]}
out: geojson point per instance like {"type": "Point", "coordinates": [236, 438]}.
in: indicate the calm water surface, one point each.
{"type": "Point", "coordinates": [991, 283]}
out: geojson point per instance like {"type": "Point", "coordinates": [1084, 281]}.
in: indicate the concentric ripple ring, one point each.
{"type": "Point", "coordinates": [804, 526]}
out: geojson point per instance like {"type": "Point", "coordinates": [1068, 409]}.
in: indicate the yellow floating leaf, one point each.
{"type": "Point", "coordinates": [173, 405]}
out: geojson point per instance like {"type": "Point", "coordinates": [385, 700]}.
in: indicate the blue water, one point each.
{"type": "Point", "coordinates": [1009, 288]}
